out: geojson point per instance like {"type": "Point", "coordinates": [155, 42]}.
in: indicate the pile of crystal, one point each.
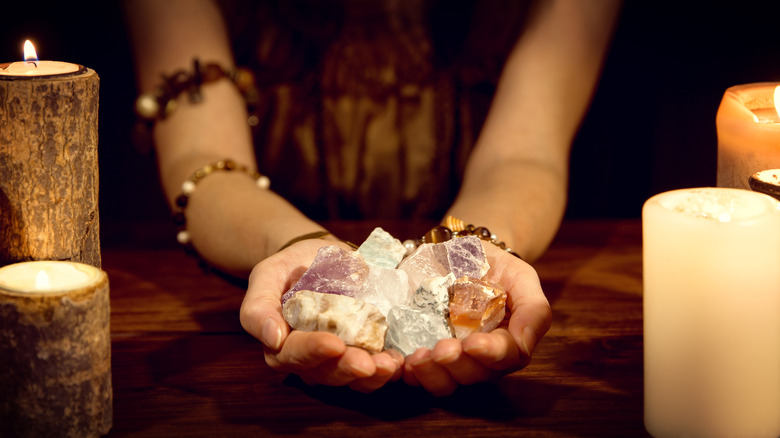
{"type": "Point", "coordinates": [376, 298]}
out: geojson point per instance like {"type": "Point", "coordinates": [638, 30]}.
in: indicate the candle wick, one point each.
{"type": "Point", "coordinates": [35, 63]}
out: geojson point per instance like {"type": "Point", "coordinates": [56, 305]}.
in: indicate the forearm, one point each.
{"type": "Point", "coordinates": [521, 202]}
{"type": "Point", "coordinates": [232, 222]}
{"type": "Point", "coordinates": [516, 179]}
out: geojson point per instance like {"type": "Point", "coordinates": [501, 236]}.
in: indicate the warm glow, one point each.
{"type": "Point", "coordinates": [42, 281]}
{"type": "Point", "coordinates": [777, 100]}
{"type": "Point", "coordinates": [29, 52]}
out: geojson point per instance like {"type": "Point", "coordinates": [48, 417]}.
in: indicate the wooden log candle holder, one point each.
{"type": "Point", "coordinates": [55, 350]}
{"type": "Point", "coordinates": [49, 166]}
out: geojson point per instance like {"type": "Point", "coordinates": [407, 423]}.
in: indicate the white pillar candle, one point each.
{"type": "Point", "coordinates": [712, 313]}
{"type": "Point", "coordinates": [748, 127]}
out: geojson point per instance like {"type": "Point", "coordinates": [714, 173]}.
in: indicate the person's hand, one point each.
{"type": "Point", "coordinates": [485, 356]}
{"type": "Point", "coordinates": [317, 357]}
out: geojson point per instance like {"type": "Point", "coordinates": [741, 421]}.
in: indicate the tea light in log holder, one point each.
{"type": "Point", "coordinates": [48, 162]}
{"type": "Point", "coordinates": [55, 350]}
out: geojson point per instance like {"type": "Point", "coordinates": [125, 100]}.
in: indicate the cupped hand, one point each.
{"type": "Point", "coordinates": [317, 357]}
{"type": "Point", "coordinates": [486, 356]}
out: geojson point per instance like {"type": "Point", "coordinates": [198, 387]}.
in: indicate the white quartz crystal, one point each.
{"type": "Point", "coordinates": [356, 322]}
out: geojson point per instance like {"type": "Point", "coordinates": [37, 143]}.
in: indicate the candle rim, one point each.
{"type": "Point", "coordinates": [80, 70]}
{"type": "Point", "coordinates": [661, 200]}
{"type": "Point", "coordinates": [92, 273]}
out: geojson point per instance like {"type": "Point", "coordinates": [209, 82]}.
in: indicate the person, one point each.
{"type": "Point", "coordinates": [513, 178]}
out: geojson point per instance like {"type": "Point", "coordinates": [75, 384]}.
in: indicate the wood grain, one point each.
{"type": "Point", "coordinates": [49, 169]}
{"type": "Point", "coordinates": [182, 364]}
{"type": "Point", "coordinates": [55, 362]}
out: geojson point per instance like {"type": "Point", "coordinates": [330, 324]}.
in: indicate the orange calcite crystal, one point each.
{"type": "Point", "coordinates": [475, 306]}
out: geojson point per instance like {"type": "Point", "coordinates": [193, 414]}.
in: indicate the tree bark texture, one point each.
{"type": "Point", "coordinates": [55, 362]}
{"type": "Point", "coordinates": [49, 168]}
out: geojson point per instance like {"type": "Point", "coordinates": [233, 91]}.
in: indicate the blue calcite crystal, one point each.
{"type": "Point", "coordinates": [424, 321]}
{"type": "Point", "coordinates": [382, 249]}
{"type": "Point", "coordinates": [410, 329]}
{"type": "Point", "coordinates": [333, 271]}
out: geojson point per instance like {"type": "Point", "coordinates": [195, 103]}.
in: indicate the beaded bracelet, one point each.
{"type": "Point", "coordinates": [161, 102]}
{"type": "Point", "coordinates": [315, 235]}
{"type": "Point", "coordinates": [452, 227]}
{"type": "Point", "coordinates": [227, 165]}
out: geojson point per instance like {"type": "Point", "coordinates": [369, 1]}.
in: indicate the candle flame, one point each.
{"type": "Point", "coordinates": [29, 52]}
{"type": "Point", "coordinates": [777, 100]}
{"type": "Point", "coordinates": [42, 281]}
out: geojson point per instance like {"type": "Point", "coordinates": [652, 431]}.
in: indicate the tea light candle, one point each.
{"type": "Point", "coordinates": [49, 169]}
{"type": "Point", "coordinates": [55, 350]}
{"type": "Point", "coordinates": [711, 303]}
{"type": "Point", "coordinates": [748, 127]}
{"type": "Point", "coordinates": [32, 67]}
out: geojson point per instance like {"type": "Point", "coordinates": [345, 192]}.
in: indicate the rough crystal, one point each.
{"type": "Point", "coordinates": [356, 322]}
{"type": "Point", "coordinates": [427, 261]}
{"type": "Point", "coordinates": [382, 249]}
{"type": "Point", "coordinates": [385, 288]}
{"type": "Point", "coordinates": [433, 295]}
{"type": "Point", "coordinates": [333, 271]}
{"type": "Point", "coordinates": [410, 329]}
{"type": "Point", "coordinates": [475, 306]}
{"type": "Point", "coordinates": [466, 256]}
{"type": "Point", "coordinates": [461, 256]}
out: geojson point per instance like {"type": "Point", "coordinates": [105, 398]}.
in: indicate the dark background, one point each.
{"type": "Point", "coordinates": [651, 127]}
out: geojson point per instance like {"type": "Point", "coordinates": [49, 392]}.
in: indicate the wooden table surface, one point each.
{"type": "Point", "coordinates": [183, 366]}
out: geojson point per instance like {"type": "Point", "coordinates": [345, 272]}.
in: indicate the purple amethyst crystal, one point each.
{"type": "Point", "coordinates": [333, 271]}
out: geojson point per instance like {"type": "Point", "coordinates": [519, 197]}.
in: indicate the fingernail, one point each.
{"type": "Point", "coordinates": [360, 371]}
{"type": "Point", "coordinates": [272, 334]}
{"type": "Point", "coordinates": [447, 358]}
{"type": "Point", "coordinates": [529, 340]}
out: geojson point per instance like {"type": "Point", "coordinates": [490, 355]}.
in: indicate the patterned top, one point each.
{"type": "Point", "coordinates": [369, 109]}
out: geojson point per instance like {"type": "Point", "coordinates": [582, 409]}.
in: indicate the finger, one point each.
{"type": "Point", "coordinates": [408, 373]}
{"type": "Point", "coordinates": [433, 377]}
{"type": "Point", "coordinates": [529, 309]}
{"type": "Point", "coordinates": [497, 351]}
{"type": "Point", "coordinates": [305, 350]}
{"type": "Point", "coordinates": [386, 369]}
{"type": "Point", "coordinates": [261, 309]}
{"type": "Point", "coordinates": [463, 368]}
{"type": "Point", "coordinates": [398, 358]}
{"type": "Point", "coordinates": [355, 363]}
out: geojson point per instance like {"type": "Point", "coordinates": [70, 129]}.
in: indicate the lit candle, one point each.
{"type": "Point", "coordinates": [46, 276]}
{"type": "Point", "coordinates": [711, 313]}
{"type": "Point", "coordinates": [748, 127]}
{"type": "Point", "coordinates": [49, 165]}
{"type": "Point", "coordinates": [55, 347]}
{"type": "Point", "coordinates": [31, 66]}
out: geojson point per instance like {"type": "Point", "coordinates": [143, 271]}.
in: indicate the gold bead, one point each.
{"type": "Point", "coordinates": [453, 223]}
{"type": "Point", "coordinates": [438, 234]}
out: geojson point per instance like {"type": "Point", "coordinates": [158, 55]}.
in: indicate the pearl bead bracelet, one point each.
{"type": "Point", "coordinates": [188, 187]}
